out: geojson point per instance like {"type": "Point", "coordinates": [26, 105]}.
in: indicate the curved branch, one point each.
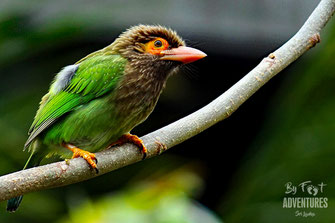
{"type": "Point", "coordinates": [76, 170]}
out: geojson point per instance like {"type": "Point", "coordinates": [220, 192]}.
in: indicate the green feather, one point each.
{"type": "Point", "coordinates": [94, 77]}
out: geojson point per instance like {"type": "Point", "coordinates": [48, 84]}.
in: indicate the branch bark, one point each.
{"type": "Point", "coordinates": [76, 170]}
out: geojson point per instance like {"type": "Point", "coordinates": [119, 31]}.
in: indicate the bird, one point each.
{"type": "Point", "coordinates": [95, 103]}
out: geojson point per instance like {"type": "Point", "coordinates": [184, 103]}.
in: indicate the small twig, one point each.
{"type": "Point", "coordinates": [76, 170]}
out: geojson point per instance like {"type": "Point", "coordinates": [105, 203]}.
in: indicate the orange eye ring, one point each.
{"type": "Point", "coordinates": [156, 46]}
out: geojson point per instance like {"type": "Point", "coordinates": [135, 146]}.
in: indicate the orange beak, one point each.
{"type": "Point", "coordinates": [183, 54]}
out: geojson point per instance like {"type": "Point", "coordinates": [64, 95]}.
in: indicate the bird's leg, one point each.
{"type": "Point", "coordinates": [89, 157]}
{"type": "Point", "coordinates": [129, 138]}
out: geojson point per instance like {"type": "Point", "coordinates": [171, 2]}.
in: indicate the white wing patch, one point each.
{"type": "Point", "coordinates": [63, 78]}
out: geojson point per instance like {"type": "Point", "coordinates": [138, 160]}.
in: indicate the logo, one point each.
{"type": "Point", "coordinates": [305, 195]}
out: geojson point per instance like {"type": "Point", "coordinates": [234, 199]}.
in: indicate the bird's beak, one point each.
{"type": "Point", "coordinates": [183, 54]}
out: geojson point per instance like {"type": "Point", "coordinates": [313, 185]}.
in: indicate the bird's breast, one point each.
{"type": "Point", "coordinates": [136, 97]}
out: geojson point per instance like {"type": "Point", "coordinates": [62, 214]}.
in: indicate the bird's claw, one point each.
{"type": "Point", "coordinates": [96, 160]}
{"type": "Point", "coordinates": [129, 138]}
{"type": "Point", "coordinates": [89, 157]}
{"type": "Point", "coordinates": [144, 153]}
{"type": "Point", "coordinates": [96, 170]}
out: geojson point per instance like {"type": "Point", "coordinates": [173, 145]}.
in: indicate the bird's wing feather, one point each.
{"type": "Point", "coordinates": [76, 85]}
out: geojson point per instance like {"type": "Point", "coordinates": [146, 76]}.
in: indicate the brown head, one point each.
{"type": "Point", "coordinates": [154, 49]}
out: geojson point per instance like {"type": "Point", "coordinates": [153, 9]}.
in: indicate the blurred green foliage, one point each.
{"type": "Point", "coordinates": [296, 144]}
{"type": "Point", "coordinates": [161, 199]}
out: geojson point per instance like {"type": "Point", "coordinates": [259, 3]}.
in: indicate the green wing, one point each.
{"type": "Point", "coordinates": [74, 86]}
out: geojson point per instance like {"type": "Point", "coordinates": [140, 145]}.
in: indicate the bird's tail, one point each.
{"type": "Point", "coordinates": [14, 203]}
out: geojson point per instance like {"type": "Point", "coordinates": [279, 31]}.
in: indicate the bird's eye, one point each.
{"type": "Point", "coordinates": [156, 46]}
{"type": "Point", "coordinates": [158, 43]}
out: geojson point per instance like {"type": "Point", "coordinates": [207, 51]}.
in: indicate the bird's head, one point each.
{"type": "Point", "coordinates": [155, 47]}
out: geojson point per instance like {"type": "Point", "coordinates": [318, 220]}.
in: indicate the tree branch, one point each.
{"type": "Point", "coordinates": [76, 170]}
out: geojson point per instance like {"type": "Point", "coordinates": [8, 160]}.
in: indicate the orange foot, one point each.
{"type": "Point", "coordinates": [89, 157]}
{"type": "Point", "coordinates": [131, 139]}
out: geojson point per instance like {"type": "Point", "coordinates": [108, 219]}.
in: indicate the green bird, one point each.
{"type": "Point", "coordinates": [97, 101]}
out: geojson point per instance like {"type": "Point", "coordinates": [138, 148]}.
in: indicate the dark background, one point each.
{"type": "Point", "coordinates": [232, 172]}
